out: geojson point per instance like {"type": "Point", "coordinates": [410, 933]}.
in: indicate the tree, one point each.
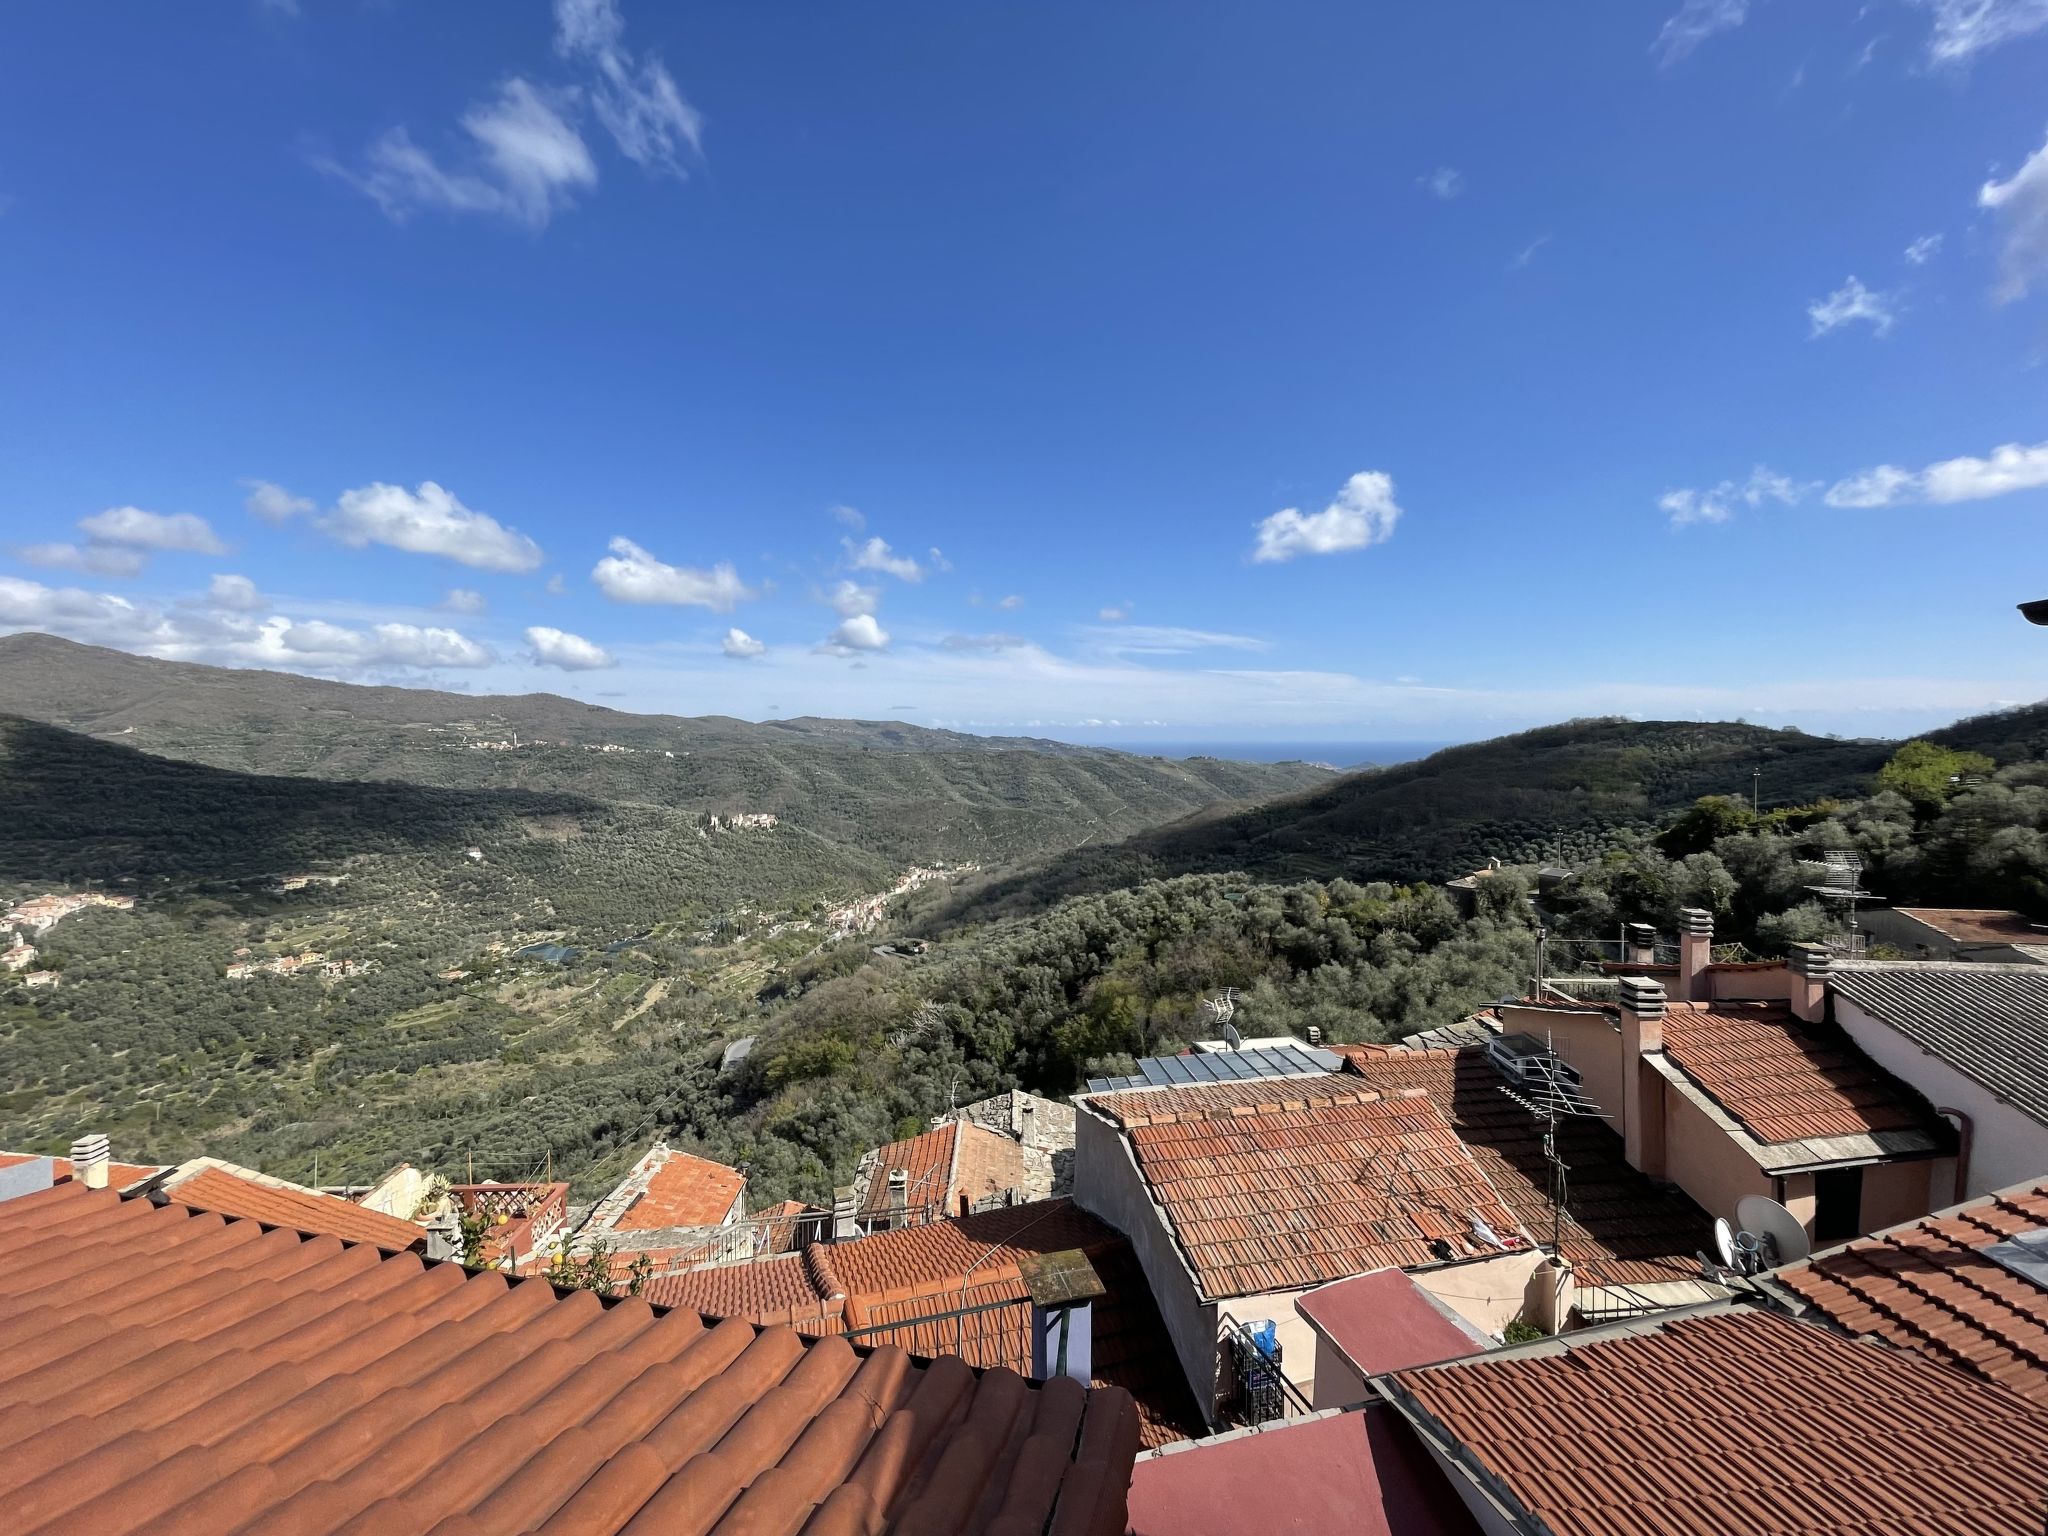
{"type": "Point", "coordinates": [1711, 818]}
{"type": "Point", "coordinates": [1927, 774]}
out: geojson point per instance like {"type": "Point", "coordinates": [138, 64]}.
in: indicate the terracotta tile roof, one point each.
{"type": "Point", "coordinates": [893, 1285]}
{"type": "Point", "coordinates": [958, 1161]}
{"type": "Point", "coordinates": [119, 1175]}
{"type": "Point", "coordinates": [303, 1210]}
{"type": "Point", "coordinates": [1742, 1421]}
{"type": "Point", "coordinates": [1785, 1080]}
{"type": "Point", "coordinates": [683, 1190]}
{"type": "Point", "coordinates": [1619, 1228]}
{"type": "Point", "coordinates": [927, 1163]}
{"type": "Point", "coordinates": [1928, 1286]}
{"type": "Point", "coordinates": [282, 1385]}
{"type": "Point", "coordinates": [1284, 1183]}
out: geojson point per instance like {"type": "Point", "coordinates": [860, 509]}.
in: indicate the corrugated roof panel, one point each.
{"type": "Point", "coordinates": [1989, 1022]}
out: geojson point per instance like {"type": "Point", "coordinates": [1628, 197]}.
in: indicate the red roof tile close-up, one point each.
{"type": "Point", "coordinates": [1279, 1184]}
{"type": "Point", "coordinates": [905, 1286]}
{"type": "Point", "coordinates": [303, 1210]}
{"type": "Point", "coordinates": [1929, 1286]}
{"type": "Point", "coordinates": [1785, 1080]}
{"type": "Point", "coordinates": [1739, 1421]}
{"type": "Point", "coordinates": [286, 1385]}
{"type": "Point", "coordinates": [1618, 1228]}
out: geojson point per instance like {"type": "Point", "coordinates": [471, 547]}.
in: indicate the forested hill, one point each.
{"type": "Point", "coordinates": [1561, 792]}
{"type": "Point", "coordinates": [897, 791]}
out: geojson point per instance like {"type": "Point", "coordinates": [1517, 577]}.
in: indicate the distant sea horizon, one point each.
{"type": "Point", "coordinates": [1339, 754]}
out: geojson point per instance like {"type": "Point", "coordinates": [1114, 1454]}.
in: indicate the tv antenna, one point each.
{"type": "Point", "coordinates": [1841, 883]}
{"type": "Point", "coordinates": [1220, 1011]}
{"type": "Point", "coordinates": [1551, 1097]}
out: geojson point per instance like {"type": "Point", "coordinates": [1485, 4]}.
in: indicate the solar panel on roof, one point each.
{"type": "Point", "coordinates": [2025, 1255]}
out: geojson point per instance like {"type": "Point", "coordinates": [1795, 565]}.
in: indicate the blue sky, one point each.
{"type": "Point", "coordinates": [1112, 372]}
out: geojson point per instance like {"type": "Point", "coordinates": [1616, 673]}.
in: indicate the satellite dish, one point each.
{"type": "Point", "coordinates": [1231, 1037]}
{"type": "Point", "coordinates": [1724, 1242]}
{"type": "Point", "coordinates": [1767, 1218]}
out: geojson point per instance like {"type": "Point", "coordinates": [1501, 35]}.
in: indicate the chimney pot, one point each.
{"type": "Point", "coordinates": [89, 1156]}
{"type": "Point", "coordinates": [1642, 996]}
{"type": "Point", "coordinates": [1695, 951]}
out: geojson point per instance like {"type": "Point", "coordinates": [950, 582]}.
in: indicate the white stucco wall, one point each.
{"type": "Point", "coordinates": [2008, 1145]}
{"type": "Point", "coordinates": [1488, 1293]}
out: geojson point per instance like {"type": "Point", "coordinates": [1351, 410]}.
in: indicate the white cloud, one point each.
{"type": "Point", "coordinates": [1168, 640]}
{"type": "Point", "coordinates": [1923, 250]}
{"type": "Point", "coordinates": [2012, 467]}
{"type": "Point", "coordinates": [429, 521]}
{"type": "Point", "coordinates": [1718, 503]}
{"type": "Point", "coordinates": [2020, 203]}
{"type": "Point", "coordinates": [1010, 604]}
{"type": "Point", "coordinates": [875, 555]}
{"type": "Point", "coordinates": [133, 528]}
{"type": "Point", "coordinates": [740, 645]}
{"type": "Point", "coordinates": [555, 586]}
{"type": "Point", "coordinates": [859, 633]}
{"type": "Point", "coordinates": [995, 642]}
{"type": "Point", "coordinates": [1850, 302]}
{"type": "Point", "coordinates": [273, 503]}
{"type": "Point", "coordinates": [572, 653]}
{"type": "Point", "coordinates": [228, 637]}
{"type": "Point", "coordinates": [1692, 24]}
{"type": "Point", "coordinates": [1528, 252]}
{"type": "Point", "coordinates": [464, 600]}
{"type": "Point", "coordinates": [938, 560]}
{"type": "Point", "coordinates": [1966, 27]}
{"type": "Point", "coordinates": [525, 162]}
{"type": "Point", "coordinates": [1444, 182]}
{"type": "Point", "coordinates": [1116, 613]}
{"type": "Point", "coordinates": [636, 100]}
{"type": "Point", "coordinates": [94, 559]}
{"type": "Point", "coordinates": [629, 574]}
{"type": "Point", "coordinates": [850, 517]}
{"type": "Point", "coordinates": [850, 598]}
{"type": "Point", "coordinates": [405, 645]}
{"type": "Point", "coordinates": [1363, 514]}
{"type": "Point", "coordinates": [238, 594]}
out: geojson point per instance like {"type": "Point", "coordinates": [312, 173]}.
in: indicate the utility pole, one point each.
{"type": "Point", "coordinates": [1756, 779]}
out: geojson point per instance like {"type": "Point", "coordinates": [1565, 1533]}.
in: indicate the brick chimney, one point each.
{"type": "Point", "coordinates": [1642, 944]}
{"type": "Point", "coordinates": [1642, 1088]}
{"type": "Point", "coordinates": [89, 1156]}
{"type": "Point", "coordinates": [1695, 949]}
{"type": "Point", "coordinates": [1811, 966]}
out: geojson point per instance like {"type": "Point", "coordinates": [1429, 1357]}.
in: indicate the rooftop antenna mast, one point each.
{"type": "Point", "coordinates": [1842, 883]}
{"type": "Point", "coordinates": [1548, 1095]}
{"type": "Point", "coordinates": [1220, 1011]}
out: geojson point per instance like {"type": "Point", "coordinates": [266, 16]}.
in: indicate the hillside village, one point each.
{"type": "Point", "coordinates": [1267, 1254]}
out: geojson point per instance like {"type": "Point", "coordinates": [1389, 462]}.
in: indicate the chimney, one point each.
{"type": "Point", "coordinates": [1642, 1087]}
{"type": "Point", "coordinates": [1811, 964]}
{"type": "Point", "coordinates": [1695, 949]}
{"type": "Point", "coordinates": [89, 1160]}
{"type": "Point", "coordinates": [844, 1224]}
{"type": "Point", "coordinates": [1313, 1034]}
{"type": "Point", "coordinates": [444, 1234]}
{"type": "Point", "coordinates": [1063, 1288]}
{"type": "Point", "coordinates": [1027, 1119]}
{"type": "Point", "coordinates": [1642, 944]}
{"type": "Point", "coordinates": [899, 1197]}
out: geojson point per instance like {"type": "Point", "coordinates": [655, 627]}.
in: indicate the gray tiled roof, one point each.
{"type": "Point", "coordinates": [1989, 1022]}
{"type": "Point", "coordinates": [1221, 1067]}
